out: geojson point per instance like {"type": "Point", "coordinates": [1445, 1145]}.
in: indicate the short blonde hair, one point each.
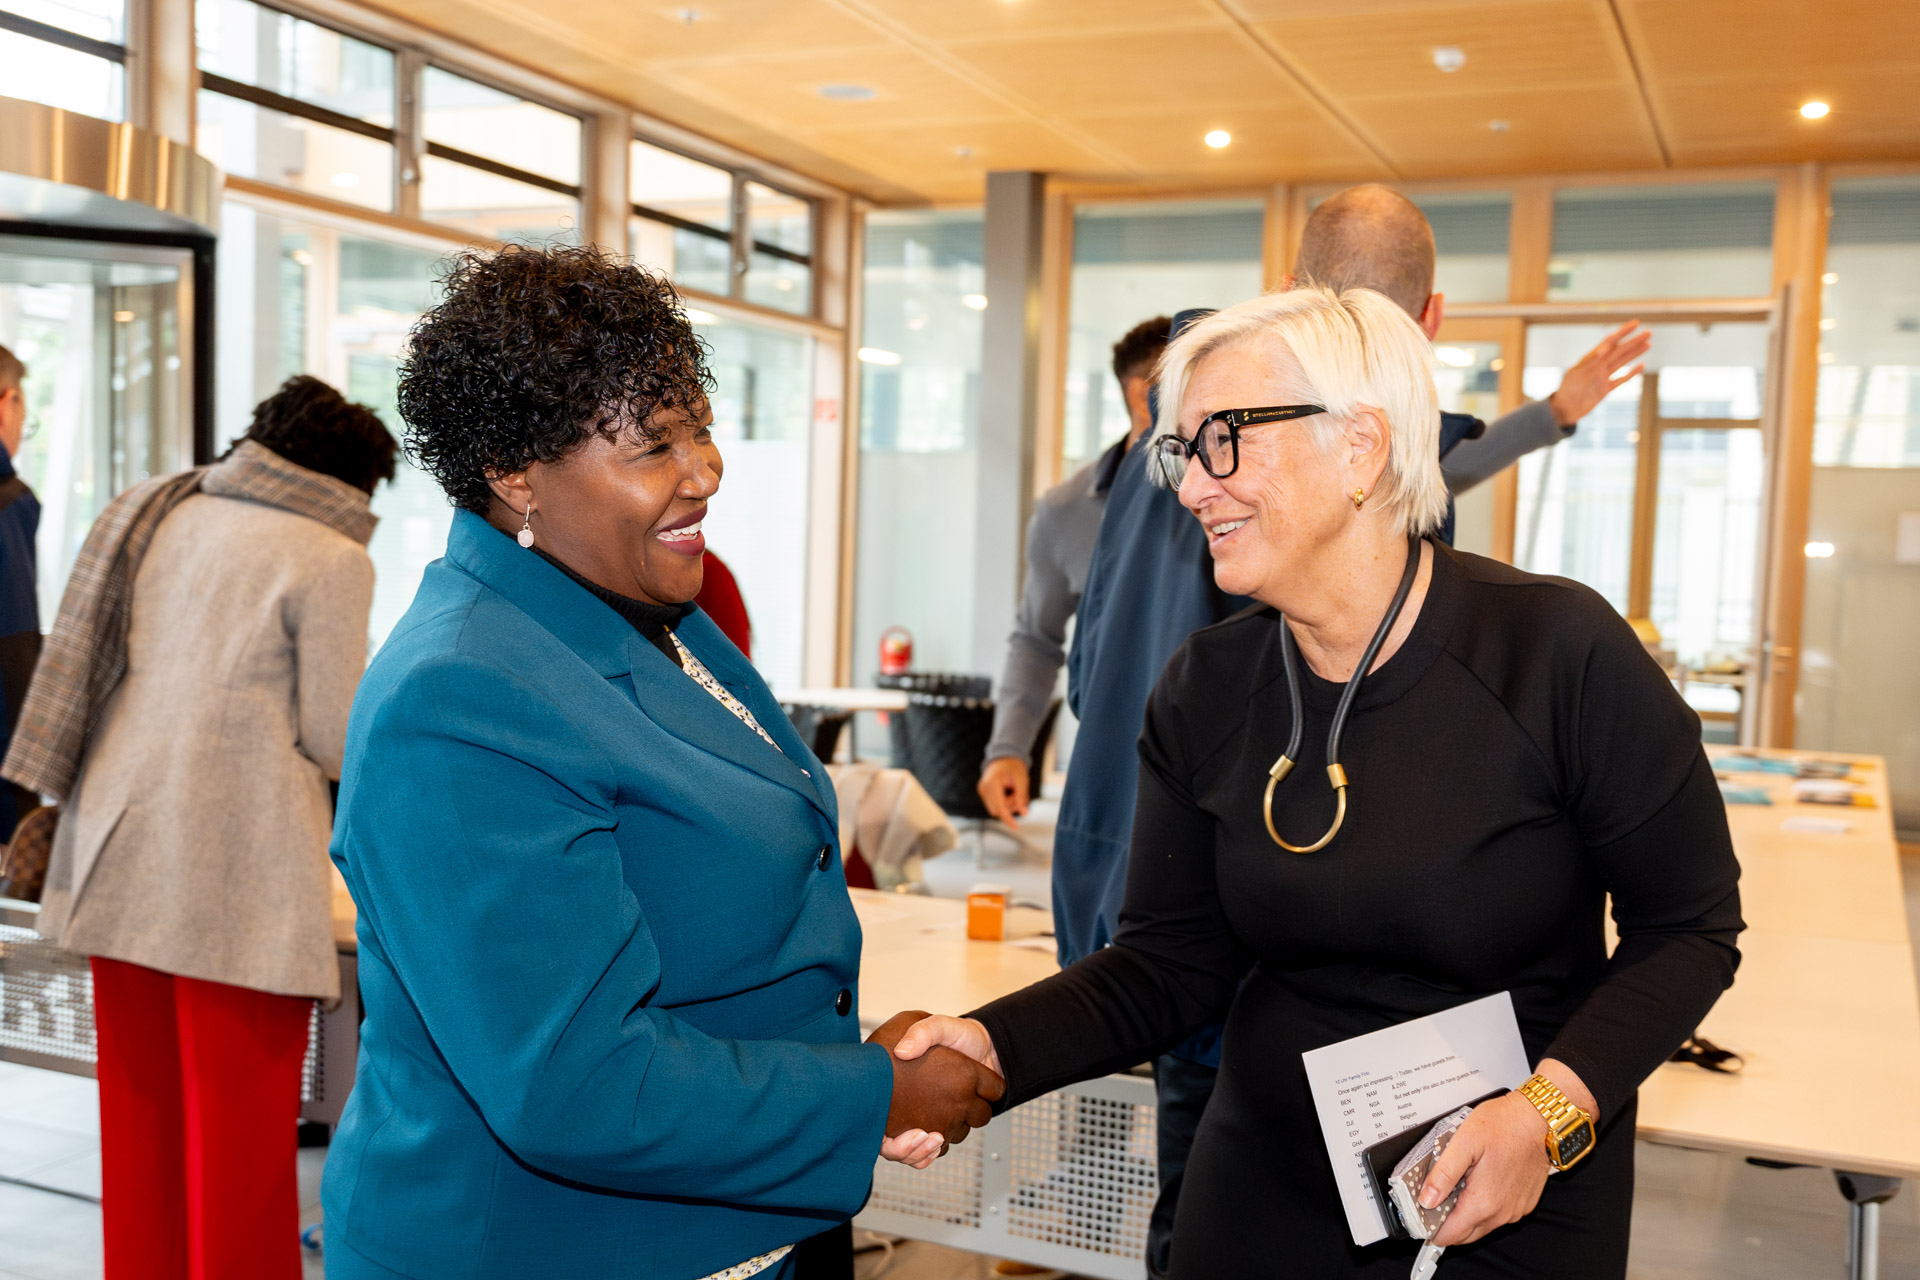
{"type": "Point", "coordinates": [1354, 348]}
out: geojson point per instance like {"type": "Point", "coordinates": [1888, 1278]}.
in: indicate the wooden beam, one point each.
{"type": "Point", "coordinates": [1646, 500]}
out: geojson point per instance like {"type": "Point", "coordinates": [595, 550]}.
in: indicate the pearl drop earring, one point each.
{"type": "Point", "coordinates": [525, 536]}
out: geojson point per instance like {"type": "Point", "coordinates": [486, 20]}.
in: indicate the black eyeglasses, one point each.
{"type": "Point", "coordinates": [1216, 442]}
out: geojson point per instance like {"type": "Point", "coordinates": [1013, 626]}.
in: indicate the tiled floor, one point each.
{"type": "Point", "coordinates": [1697, 1216]}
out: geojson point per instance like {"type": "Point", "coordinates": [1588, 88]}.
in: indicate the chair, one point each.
{"type": "Point", "coordinates": [818, 727]}
{"type": "Point", "coordinates": [943, 739]}
{"type": "Point", "coordinates": [934, 682]}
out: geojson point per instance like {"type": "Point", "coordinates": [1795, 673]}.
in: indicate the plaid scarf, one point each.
{"type": "Point", "coordinates": [85, 655]}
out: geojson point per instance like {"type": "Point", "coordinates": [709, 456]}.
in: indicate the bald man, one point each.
{"type": "Point", "coordinates": [1150, 585]}
{"type": "Point", "coordinates": [1372, 237]}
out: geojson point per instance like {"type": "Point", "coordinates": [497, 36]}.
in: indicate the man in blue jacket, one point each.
{"type": "Point", "coordinates": [1151, 585]}
{"type": "Point", "coordinates": [19, 599]}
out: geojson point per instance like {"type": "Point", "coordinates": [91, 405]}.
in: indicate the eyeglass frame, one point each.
{"type": "Point", "coordinates": [1188, 447]}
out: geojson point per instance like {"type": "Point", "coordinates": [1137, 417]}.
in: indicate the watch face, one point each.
{"type": "Point", "coordinates": [1574, 1144]}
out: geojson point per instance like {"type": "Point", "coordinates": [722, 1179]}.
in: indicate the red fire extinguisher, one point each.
{"type": "Point", "coordinates": [896, 651]}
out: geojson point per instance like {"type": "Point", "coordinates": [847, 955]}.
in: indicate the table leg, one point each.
{"type": "Point", "coordinates": [1865, 1193]}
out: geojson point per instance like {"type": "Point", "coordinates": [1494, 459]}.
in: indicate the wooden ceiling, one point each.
{"type": "Point", "coordinates": [1121, 92]}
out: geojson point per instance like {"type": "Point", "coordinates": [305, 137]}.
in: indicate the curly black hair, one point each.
{"type": "Point", "coordinates": [534, 348]}
{"type": "Point", "coordinates": [312, 425]}
{"type": "Point", "coordinates": [1139, 351]}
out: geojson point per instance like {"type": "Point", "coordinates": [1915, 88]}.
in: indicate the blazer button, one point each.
{"type": "Point", "coordinates": [843, 1003]}
{"type": "Point", "coordinates": [824, 856]}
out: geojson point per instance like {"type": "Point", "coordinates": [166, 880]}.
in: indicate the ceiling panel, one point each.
{"type": "Point", "coordinates": [1120, 92]}
{"type": "Point", "coordinates": [1094, 73]}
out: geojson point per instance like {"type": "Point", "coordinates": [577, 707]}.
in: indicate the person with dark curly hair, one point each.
{"type": "Point", "coordinates": [607, 955]}
{"type": "Point", "coordinates": [188, 711]}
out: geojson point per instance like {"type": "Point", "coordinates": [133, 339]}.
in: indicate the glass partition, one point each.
{"type": "Point", "coordinates": [1657, 241]}
{"type": "Point", "coordinates": [1859, 687]}
{"type": "Point", "coordinates": [757, 523]}
{"type": "Point", "coordinates": [1577, 499]}
{"type": "Point", "coordinates": [299, 297]}
{"type": "Point", "coordinates": [99, 328]}
{"type": "Point", "coordinates": [919, 439]}
{"type": "Point", "coordinates": [1132, 262]}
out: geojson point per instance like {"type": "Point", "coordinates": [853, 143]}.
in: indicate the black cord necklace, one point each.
{"type": "Point", "coordinates": [1335, 774]}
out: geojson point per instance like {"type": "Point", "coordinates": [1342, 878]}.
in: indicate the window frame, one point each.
{"type": "Point", "coordinates": [741, 246]}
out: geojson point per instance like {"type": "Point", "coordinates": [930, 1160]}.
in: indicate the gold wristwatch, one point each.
{"type": "Point", "coordinates": [1569, 1129]}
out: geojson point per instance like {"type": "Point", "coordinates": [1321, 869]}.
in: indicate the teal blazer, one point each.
{"type": "Point", "coordinates": [607, 956]}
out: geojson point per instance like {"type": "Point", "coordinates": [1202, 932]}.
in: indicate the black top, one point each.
{"type": "Point", "coordinates": [1518, 759]}
{"type": "Point", "coordinates": [653, 621]}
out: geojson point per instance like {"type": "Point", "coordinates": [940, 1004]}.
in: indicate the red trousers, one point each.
{"type": "Point", "coordinates": [199, 1108]}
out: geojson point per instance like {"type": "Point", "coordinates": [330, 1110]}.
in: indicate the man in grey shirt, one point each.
{"type": "Point", "coordinates": [1367, 236]}
{"type": "Point", "coordinates": [1059, 548]}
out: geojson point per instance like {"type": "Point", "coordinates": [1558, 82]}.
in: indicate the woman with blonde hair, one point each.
{"type": "Point", "coordinates": [1479, 756]}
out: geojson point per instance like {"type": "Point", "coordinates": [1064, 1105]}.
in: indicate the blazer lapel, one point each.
{"type": "Point", "coordinates": [683, 708]}
{"type": "Point", "coordinates": [664, 693]}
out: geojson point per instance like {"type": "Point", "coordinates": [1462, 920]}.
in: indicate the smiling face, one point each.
{"type": "Point", "coordinates": [624, 513]}
{"type": "Point", "coordinates": [1287, 501]}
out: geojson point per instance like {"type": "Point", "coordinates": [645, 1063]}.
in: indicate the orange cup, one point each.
{"type": "Point", "coordinates": [987, 912]}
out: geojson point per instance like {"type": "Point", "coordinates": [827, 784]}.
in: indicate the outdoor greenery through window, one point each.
{"type": "Point", "coordinates": [69, 54]}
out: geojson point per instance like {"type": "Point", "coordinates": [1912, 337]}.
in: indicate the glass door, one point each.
{"type": "Point", "coordinates": [104, 331]}
{"type": "Point", "coordinates": [1657, 502]}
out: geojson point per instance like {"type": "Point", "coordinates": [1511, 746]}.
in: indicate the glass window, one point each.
{"type": "Point", "coordinates": [1859, 686]}
{"type": "Point", "coordinates": [1132, 262]}
{"type": "Point", "coordinates": [1706, 241]}
{"type": "Point", "coordinates": [780, 268]}
{"type": "Point", "coordinates": [1470, 244]}
{"type": "Point", "coordinates": [762, 420]}
{"type": "Point", "coordinates": [496, 164]}
{"type": "Point", "coordinates": [344, 150]}
{"type": "Point", "coordinates": [919, 444]}
{"type": "Point", "coordinates": [89, 77]}
{"type": "Point", "coordinates": [297, 297]}
{"type": "Point", "coordinates": [684, 217]}
{"type": "Point", "coordinates": [663, 181]}
{"type": "Point", "coordinates": [1575, 516]}
{"type": "Point", "coordinates": [1869, 399]}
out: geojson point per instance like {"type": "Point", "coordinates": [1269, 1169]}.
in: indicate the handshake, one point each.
{"type": "Point", "coordinates": [946, 1078]}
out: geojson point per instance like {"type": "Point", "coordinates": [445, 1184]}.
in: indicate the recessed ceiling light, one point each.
{"type": "Point", "coordinates": [1218, 138]}
{"type": "Point", "coordinates": [977, 301]}
{"type": "Point", "coordinates": [1832, 277]}
{"type": "Point", "coordinates": [1814, 110]}
{"type": "Point", "coordinates": [1828, 322]}
{"type": "Point", "coordinates": [1454, 357]}
{"type": "Point", "coordinates": [1819, 551]}
{"type": "Point", "coordinates": [1449, 57]}
{"type": "Point", "coordinates": [963, 152]}
{"type": "Point", "coordinates": [874, 355]}
{"type": "Point", "coordinates": [1498, 126]}
{"type": "Point", "coordinates": [847, 92]}
{"type": "Point", "coordinates": [688, 16]}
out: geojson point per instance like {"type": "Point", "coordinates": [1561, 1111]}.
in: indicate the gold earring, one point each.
{"type": "Point", "coordinates": [1359, 499]}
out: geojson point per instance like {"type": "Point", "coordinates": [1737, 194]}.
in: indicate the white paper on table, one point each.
{"type": "Point", "coordinates": [1371, 1087]}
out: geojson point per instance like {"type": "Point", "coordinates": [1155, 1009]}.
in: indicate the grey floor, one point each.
{"type": "Point", "coordinates": [1697, 1216]}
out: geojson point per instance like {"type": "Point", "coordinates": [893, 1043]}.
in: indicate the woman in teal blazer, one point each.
{"type": "Point", "coordinates": [607, 956]}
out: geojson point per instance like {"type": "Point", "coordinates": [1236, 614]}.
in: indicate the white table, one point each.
{"type": "Point", "coordinates": [1824, 1008]}
{"type": "Point", "coordinates": [845, 699]}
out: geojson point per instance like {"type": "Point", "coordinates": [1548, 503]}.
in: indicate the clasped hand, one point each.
{"type": "Point", "coordinates": [940, 1093]}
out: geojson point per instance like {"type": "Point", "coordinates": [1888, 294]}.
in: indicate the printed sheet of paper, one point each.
{"type": "Point", "coordinates": [1371, 1087]}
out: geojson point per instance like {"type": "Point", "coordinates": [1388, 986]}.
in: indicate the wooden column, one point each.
{"type": "Point", "coordinates": [1646, 500]}
{"type": "Point", "coordinates": [1529, 247]}
{"type": "Point", "coordinates": [1800, 239]}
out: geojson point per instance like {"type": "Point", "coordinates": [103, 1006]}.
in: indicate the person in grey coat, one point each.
{"type": "Point", "coordinates": [190, 859]}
